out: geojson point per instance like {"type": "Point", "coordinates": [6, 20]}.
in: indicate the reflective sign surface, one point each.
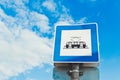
{"type": "Point", "coordinates": [76, 43]}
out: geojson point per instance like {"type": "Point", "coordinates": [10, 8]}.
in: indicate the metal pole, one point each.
{"type": "Point", "coordinates": [74, 71]}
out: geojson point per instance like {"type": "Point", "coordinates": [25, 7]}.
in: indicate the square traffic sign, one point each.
{"type": "Point", "coordinates": [76, 43]}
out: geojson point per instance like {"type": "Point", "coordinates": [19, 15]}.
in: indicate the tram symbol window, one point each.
{"type": "Point", "coordinates": [75, 44]}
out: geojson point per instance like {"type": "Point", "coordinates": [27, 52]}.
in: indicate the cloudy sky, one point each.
{"type": "Point", "coordinates": [27, 33]}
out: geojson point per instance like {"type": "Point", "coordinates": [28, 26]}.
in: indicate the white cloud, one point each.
{"type": "Point", "coordinates": [14, 3]}
{"type": "Point", "coordinates": [82, 20]}
{"type": "Point", "coordinates": [26, 19]}
{"type": "Point", "coordinates": [64, 18]}
{"type": "Point", "coordinates": [21, 49]}
{"type": "Point", "coordinates": [40, 20]}
{"type": "Point", "coordinates": [50, 5]}
{"type": "Point", "coordinates": [25, 52]}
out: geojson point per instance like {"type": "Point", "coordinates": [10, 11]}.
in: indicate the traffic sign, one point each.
{"type": "Point", "coordinates": [76, 43]}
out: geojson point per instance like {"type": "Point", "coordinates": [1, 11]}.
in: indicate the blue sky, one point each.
{"type": "Point", "coordinates": [27, 33]}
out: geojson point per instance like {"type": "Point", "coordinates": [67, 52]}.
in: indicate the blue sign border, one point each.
{"type": "Point", "coordinates": [94, 41]}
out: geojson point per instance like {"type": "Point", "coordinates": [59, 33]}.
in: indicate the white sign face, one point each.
{"type": "Point", "coordinates": [76, 43]}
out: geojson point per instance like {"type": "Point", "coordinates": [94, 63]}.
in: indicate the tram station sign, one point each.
{"type": "Point", "coordinates": [76, 43]}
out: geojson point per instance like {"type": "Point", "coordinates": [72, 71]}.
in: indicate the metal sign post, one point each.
{"type": "Point", "coordinates": [74, 71]}
{"type": "Point", "coordinates": [59, 73]}
{"type": "Point", "coordinates": [76, 45]}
